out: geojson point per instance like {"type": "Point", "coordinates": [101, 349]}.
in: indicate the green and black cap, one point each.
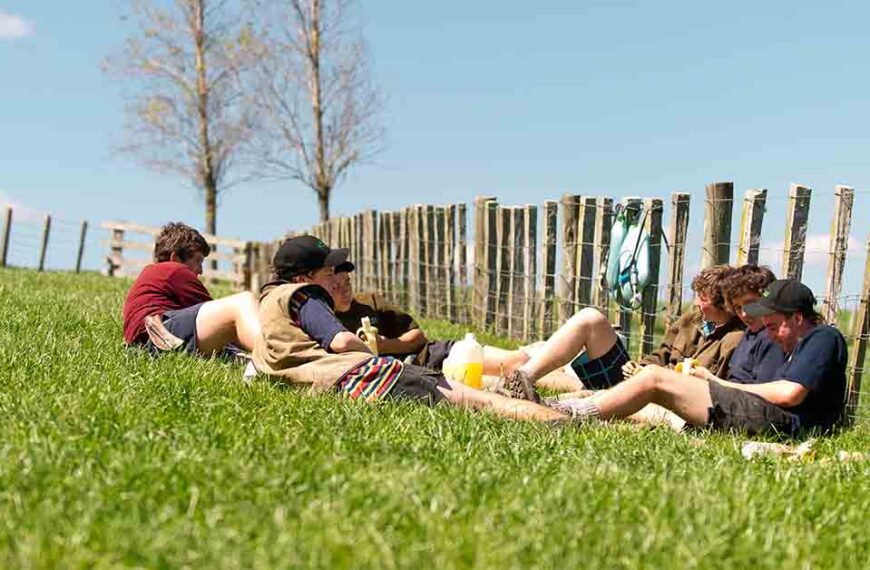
{"type": "Point", "coordinates": [307, 253]}
{"type": "Point", "coordinates": [783, 296]}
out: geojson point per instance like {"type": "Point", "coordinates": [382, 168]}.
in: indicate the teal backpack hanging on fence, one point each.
{"type": "Point", "coordinates": [627, 274]}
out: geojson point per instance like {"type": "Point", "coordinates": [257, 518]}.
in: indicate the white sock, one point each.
{"type": "Point", "coordinates": [583, 409]}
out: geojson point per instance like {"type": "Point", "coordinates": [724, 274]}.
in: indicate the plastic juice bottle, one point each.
{"type": "Point", "coordinates": [465, 362]}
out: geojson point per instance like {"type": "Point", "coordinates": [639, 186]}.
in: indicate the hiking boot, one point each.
{"type": "Point", "coordinates": [517, 384]}
{"type": "Point", "coordinates": [161, 338]}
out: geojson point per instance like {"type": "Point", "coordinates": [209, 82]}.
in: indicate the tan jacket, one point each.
{"type": "Point", "coordinates": [285, 351]}
{"type": "Point", "coordinates": [685, 339]}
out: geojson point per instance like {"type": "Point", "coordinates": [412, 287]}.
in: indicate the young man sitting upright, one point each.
{"type": "Point", "coordinates": [806, 391]}
{"type": "Point", "coordinates": [305, 345]}
{"type": "Point", "coordinates": [710, 334]}
{"type": "Point", "coordinates": [168, 308]}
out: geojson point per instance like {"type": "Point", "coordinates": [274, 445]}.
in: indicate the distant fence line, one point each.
{"type": "Point", "coordinates": [119, 240]}
{"type": "Point", "coordinates": [496, 266]}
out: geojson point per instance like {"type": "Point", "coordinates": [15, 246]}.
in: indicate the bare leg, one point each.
{"type": "Point", "coordinates": [498, 361]}
{"type": "Point", "coordinates": [686, 396]}
{"type": "Point", "coordinates": [459, 394]}
{"type": "Point", "coordinates": [587, 329]}
{"type": "Point", "coordinates": [229, 319]}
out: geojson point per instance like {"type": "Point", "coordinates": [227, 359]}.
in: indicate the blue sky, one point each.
{"type": "Point", "coordinates": [520, 100]}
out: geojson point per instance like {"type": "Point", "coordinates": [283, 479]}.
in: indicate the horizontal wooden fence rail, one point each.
{"type": "Point", "coordinates": [126, 236]}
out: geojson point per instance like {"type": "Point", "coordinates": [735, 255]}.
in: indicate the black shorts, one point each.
{"type": "Point", "coordinates": [419, 384]}
{"type": "Point", "coordinates": [180, 323]}
{"type": "Point", "coordinates": [735, 409]}
{"type": "Point", "coordinates": [434, 354]}
{"type": "Point", "coordinates": [604, 371]}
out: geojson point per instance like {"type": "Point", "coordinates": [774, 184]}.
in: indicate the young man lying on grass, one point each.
{"type": "Point", "coordinates": [708, 335]}
{"type": "Point", "coordinates": [303, 343]}
{"type": "Point", "coordinates": [168, 308]}
{"type": "Point", "coordinates": [806, 392]}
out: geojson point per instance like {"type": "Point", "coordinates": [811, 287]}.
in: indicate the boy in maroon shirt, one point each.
{"type": "Point", "coordinates": [168, 307]}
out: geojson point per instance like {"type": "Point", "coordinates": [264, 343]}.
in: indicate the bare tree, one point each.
{"type": "Point", "coordinates": [185, 109]}
{"type": "Point", "coordinates": [317, 107]}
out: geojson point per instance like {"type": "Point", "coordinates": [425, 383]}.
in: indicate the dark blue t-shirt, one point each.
{"type": "Point", "coordinates": [756, 359]}
{"type": "Point", "coordinates": [818, 363]}
{"type": "Point", "coordinates": [311, 309]}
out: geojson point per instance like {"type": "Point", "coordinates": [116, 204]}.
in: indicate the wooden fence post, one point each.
{"type": "Point", "coordinates": [83, 232]}
{"type": "Point", "coordinates": [462, 239]}
{"type": "Point", "coordinates": [844, 198]}
{"type": "Point", "coordinates": [248, 266]}
{"type": "Point", "coordinates": [419, 239]}
{"type": "Point", "coordinates": [717, 224]}
{"type": "Point", "coordinates": [4, 236]}
{"type": "Point", "coordinates": [431, 273]}
{"type": "Point", "coordinates": [491, 246]}
{"type": "Point", "coordinates": [680, 202]}
{"type": "Point", "coordinates": [569, 257]}
{"type": "Point", "coordinates": [548, 267]}
{"type": "Point", "coordinates": [43, 244]}
{"type": "Point", "coordinates": [403, 256]}
{"type": "Point", "coordinates": [603, 226]}
{"type": "Point", "coordinates": [649, 301]}
{"type": "Point", "coordinates": [450, 262]}
{"type": "Point", "coordinates": [503, 269]}
{"type": "Point", "coordinates": [439, 269]}
{"type": "Point", "coordinates": [517, 273]}
{"type": "Point", "coordinates": [859, 348]}
{"type": "Point", "coordinates": [585, 265]}
{"type": "Point", "coordinates": [796, 231]}
{"type": "Point", "coordinates": [116, 253]}
{"type": "Point", "coordinates": [751, 219]}
{"type": "Point", "coordinates": [530, 251]}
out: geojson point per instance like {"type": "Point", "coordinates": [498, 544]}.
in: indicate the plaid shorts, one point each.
{"type": "Point", "coordinates": [604, 371]}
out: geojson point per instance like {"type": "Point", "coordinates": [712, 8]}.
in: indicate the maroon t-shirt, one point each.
{"type": "Point", "coordinates": [164, 286]}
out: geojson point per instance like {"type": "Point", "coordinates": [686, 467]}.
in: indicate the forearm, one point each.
{"type": "Point", "coordinates": [347, 342]}
{"type": "Point", "coordinates": [410, 342]}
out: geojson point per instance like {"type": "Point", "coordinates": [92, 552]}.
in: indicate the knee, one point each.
{"type": "Point", "coordinates": [589, 318]}
{"type": "Point", "coordinates": [649, 380]}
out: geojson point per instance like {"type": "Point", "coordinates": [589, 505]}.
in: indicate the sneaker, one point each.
{"type": "Point", "coordinates": [517, 384]}
{"type": "Point", "coordinates": [161, 338]}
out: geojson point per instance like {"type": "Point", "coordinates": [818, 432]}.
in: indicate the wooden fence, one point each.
{"type": "Point", "coordinates": [523, 270]}
{"type": "Point", "coordinates": [127, 237]}
{"type": "Point", "coordinates": [128, 247]}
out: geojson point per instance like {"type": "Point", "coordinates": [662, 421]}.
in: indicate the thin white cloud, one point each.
{"type": "Point", "coordinates": [13, 26]}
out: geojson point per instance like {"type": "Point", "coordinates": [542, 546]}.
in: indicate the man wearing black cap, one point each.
{"type": "Point", "coordinates": [806, 392]}
{"type": "Point", "coordinates": [303, 342]}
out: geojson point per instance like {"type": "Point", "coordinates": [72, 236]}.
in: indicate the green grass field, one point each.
{"type": "Point", "coordinates": [109, 458]}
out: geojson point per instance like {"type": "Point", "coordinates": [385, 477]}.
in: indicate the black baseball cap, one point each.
{"type": "Point", "coordinates": [306, 253]}
{"type": "Point", "coordinates": [783, 296]}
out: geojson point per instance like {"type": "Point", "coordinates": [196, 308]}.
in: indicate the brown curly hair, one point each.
{"type": "Point", "coordinates": [709, 283]}
{"type": "Point", "coordinates": [746, 279]}
{"type": "Point", "coordinates": [180, 239]}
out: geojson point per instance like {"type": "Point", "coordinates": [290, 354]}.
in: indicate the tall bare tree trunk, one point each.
{"type": "Point", "coordinates": [321, 176]}
{"type": "Point", "coordinates": [209, 184]}
{"type": "Point", "coordinates": [323, 202]}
